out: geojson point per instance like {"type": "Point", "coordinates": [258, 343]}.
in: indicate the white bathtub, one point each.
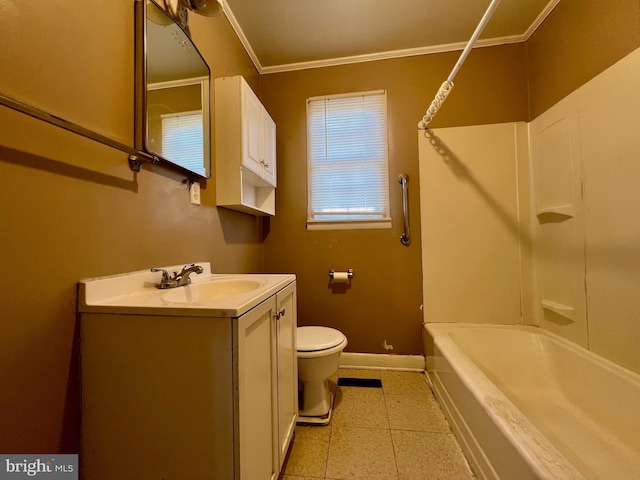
{"type": "Point", "coordinates": [526, 404]}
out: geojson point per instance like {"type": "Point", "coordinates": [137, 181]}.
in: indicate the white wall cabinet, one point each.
{"type": "Point", "coordinates": [245, 138]}
{"type": "Point", "coordinates": [168, 396]}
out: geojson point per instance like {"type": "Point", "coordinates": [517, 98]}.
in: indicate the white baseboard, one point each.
{"type": "Point", "coordinates": [384, 361]}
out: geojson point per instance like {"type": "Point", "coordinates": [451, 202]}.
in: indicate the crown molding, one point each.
{"type": "Point", "coordinates": [541, 18]}
{"type": "Point", "coordinates": [371, 57]}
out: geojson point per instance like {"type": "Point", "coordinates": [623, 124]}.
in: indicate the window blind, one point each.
{"type": "Point", "coordinates": [347, 156]}
{"type": "Point", "coordinates": [182, 140]}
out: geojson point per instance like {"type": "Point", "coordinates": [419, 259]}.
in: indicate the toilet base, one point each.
{"type": "Point", "coordinates": [324, 420]}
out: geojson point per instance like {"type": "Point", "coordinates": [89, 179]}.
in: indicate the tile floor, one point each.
{"type": "Point", "coordinates": [396, 432]}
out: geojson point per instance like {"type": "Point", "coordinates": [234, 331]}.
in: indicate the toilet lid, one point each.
{"type": "Point", "coordinates": [318, 338]}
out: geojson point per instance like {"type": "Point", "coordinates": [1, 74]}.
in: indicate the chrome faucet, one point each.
{"type": "Point", "coordinates": [178, 279]}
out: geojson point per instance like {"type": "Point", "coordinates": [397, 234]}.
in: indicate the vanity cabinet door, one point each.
{"type": "Point", "coordinates": [255, 388]}
{"type": "Point", "coordinates": [287, 369]}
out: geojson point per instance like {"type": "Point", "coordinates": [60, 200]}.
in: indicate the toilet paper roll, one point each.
{"type": "Point", "coordinates": [340, 277]}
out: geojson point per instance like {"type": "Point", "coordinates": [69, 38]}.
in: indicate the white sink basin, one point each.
{"type": "Point", "coordinates": [210, 295]}
{"type": "Point", "coordinates": [213, 290]}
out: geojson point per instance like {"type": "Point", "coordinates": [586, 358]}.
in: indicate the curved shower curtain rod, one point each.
{"type": "Point", "coordinates": [447, 85]}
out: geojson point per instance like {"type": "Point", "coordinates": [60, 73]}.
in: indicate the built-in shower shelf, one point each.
{"type": "Point", "coordinates": [559, 308]}
{"type": "Point", "coordinates": [567, 211]}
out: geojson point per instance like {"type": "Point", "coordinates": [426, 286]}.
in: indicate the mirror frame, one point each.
{"type": "Point", "coordinates": [141, 94]}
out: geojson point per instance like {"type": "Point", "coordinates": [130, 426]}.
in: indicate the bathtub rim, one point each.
{"type": "Point", "coordinates": [539, 454]}
{"type": "Point", "coordinates": [444, 327]}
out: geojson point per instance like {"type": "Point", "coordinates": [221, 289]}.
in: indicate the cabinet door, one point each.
{"type": "Point", "coordinates": [255, 393]}
{"type": "Point", "coordinates": [269, 149]}
{"type": "Point", "coordinates": [253, 130]}
{"type": "Point", "coordinates": [287, 368]}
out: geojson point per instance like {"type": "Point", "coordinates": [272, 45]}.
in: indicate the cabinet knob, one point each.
{"type": "Point", "coordinates": [279, 314]}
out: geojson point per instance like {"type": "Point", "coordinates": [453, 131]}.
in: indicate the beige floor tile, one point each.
{"type": "Point", "coordinates": [415, 412]}
{"type": "Point", "coordinates": [295, 477]}
{"type": "Point", "coordinates": [358, 373]}
{"type": "Point", "coordinates": [429, 456]}
{"type": "Point", "coordinates": [404, 383]}
{"type": "Point", "coordinates": [394, 433]}
{"type": "Point", "coordinates": [360, 407]}
{"type": "Point", "coordinates": [361, 454]}
{"type": "Point", "coordinates": [308, 454]}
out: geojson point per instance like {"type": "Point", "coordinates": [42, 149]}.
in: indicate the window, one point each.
{"type": "Point", "coordinates": [182, 140]}
{"type": "Point", "coordinates": [347, 161]}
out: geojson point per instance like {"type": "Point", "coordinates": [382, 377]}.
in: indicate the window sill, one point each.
{"type": "Point", "coordinates": [377, 224]}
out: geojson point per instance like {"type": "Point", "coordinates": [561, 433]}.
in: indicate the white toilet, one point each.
{"type": "Point", "coordinates": [319, 351]}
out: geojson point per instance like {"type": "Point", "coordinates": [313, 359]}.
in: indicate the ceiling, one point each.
{"type": "Point", "coordinates": [282, 35]}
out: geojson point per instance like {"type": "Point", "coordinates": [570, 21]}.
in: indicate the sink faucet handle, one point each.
{"type": "Point", "coordinates": [167, 281]}
{"type": "Point", "coordinates": [165, 274]}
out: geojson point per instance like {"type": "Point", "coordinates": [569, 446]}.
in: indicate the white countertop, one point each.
{"type": "Point", "coordinates": [136, 293]}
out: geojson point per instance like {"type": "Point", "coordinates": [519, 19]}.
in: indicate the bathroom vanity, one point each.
{"type": "Point", "coordinates": [193, 382]}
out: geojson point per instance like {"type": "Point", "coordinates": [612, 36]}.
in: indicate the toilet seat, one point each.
{"type": "Point", "coordinates": [317, 341]}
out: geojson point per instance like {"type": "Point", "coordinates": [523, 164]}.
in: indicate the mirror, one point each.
{"type": "Point", "coordinates": [173, 107]}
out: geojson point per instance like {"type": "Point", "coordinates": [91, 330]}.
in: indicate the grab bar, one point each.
{"type": "Point", "coordinates": [405, 238]}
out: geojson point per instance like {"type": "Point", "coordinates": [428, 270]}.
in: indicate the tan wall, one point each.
{"type": "Point", "coordinates": [576, 42]}
{"type": "Point", "coordinates": [71, 208]}
{"type": "Point", "coordinates": [383, 303]}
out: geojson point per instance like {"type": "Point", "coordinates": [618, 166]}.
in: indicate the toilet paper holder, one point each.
{"type": "Point", "coordinates": [349, 273]}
